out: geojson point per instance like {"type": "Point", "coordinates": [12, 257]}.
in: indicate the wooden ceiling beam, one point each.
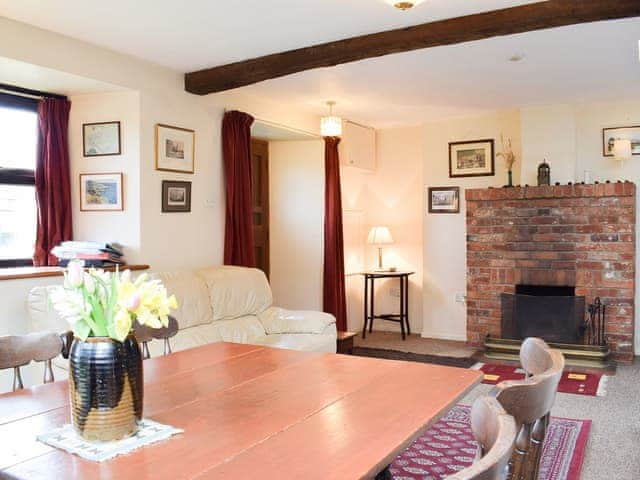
{"type": "Point", "coordinates": [508, 21]}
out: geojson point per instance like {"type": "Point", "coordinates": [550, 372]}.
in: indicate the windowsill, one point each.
{"type": "Point", "coordinates": [16, 273]}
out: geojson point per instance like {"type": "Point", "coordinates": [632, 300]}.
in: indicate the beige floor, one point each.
{"type": "Point", "coordinates": [414, 344]}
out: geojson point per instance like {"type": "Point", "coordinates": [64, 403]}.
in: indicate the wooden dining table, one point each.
{"type": "Point", "coordinates": [248, 412]}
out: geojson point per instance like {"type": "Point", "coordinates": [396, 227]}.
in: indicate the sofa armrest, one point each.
{"type": "Point", "coordinates": [278, 320]}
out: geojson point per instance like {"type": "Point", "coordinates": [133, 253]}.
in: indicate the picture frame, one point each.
{"type": "Point", "coordinates": [101, 139]}
{"type": "Point", "coordinates": [609, 135]}
{"type": "Point", "coordinates": [175, 149]}
{"type": "Point", "coordinates": [101, 192]}
{"type": "Point", "coordinates": [176, 196]}
{"type": "Point", "coordinates": [444, 199]}
{"type": "Point", "coordinates": [473, 158]}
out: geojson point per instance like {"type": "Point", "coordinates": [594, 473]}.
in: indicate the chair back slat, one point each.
{"type": "Point", "coordinates": [495, 432]}
{"type": "Point", "coordinates": [146, 334]}
{"type": "Point", "coordinates": [530, 401]}
{"type": "Point", "coordinates": [19, 350]}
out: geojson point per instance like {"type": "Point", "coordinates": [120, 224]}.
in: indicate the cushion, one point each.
{"type": "Point", "coordinates": [194, 307]}
{"type": "Point", "coordinates": [279, 320]}
{"type": "Point", "coordinates": [237, 291]}
{"type": "Point", "coordinates": [307, 342]}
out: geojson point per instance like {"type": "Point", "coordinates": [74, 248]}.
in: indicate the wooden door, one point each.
{"type": "Point", "coordinates": [260, 194]}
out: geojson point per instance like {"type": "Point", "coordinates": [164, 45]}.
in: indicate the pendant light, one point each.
{"type": "Point", "coordinates": [404, 5]}
{"type": "Point", "coordinates": [331, 126]}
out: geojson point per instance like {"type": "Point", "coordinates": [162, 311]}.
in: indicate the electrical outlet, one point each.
{"type": "Point", "coordinates": [394, 292]}
{"type": "Point", "coordinates": [461, 297]}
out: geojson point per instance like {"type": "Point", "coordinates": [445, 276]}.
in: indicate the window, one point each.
{"type": "Point", "coordinates": [18, 216]}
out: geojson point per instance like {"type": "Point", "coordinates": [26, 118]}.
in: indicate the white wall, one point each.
{"type": "Point", "coordinates": [103, 107]}
{"type": "Point", "coordinates": [445, 262]}
{"type": "Point", "coordinates": [296, 219]}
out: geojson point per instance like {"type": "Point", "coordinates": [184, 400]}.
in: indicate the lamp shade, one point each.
{"type": "Point", "coordinates": [331, 126]}
{"type": "Point", "coordinates": [622, 149]}
{"type": "Point", "coordinates": [379, 236]}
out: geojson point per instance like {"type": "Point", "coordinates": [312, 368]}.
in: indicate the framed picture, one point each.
{"type": "Point", "coordinates": [101, 139]}
{"type": "Point", "coordinates": [176, 196]}
{"type": "Point", "coordinates": [101, 192]}
{"type": "Point", "coordinates": [610, 135]}
{"type": "Point", "coordinates": [175, 149]}
{"type": "Point", "coordinates": [444, 199]}
{"type": "Point", "coordinates": [471, 159]}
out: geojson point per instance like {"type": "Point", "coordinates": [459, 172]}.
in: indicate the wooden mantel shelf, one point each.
{"type": "Point", "coordinates": [37, 272]}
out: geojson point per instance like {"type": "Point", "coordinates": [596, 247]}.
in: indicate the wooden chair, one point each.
{"type": "Point", "coordinates": [495, 431]}
{"type": "Point", "coordinates": [145, 334]}
{"type": "Point", "coordinates": [530, 401]}
{"type": "Point", "coordinates": [19, 350]}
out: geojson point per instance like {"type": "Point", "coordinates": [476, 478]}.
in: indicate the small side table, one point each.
{"type": "Point", "coordinates": [369, 301]}
{"type": "Point", "coordinates": [345, 342]}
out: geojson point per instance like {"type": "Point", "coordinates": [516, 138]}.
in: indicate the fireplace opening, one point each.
{"type": "Point", "coordinates": [553, 313]}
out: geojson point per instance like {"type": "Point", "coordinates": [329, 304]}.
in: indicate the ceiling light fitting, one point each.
{"type": "Point", "coordinates": [331, 126]}
{"type": "Point", "coordinates": [400, 5]}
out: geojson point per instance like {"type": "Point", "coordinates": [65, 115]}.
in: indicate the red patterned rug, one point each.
{"type": "Point", "coordinates": [580, 383]}
{"type": "Point", "coordinates": [449, 446]}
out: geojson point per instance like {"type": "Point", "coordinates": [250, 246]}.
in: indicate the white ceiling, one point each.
{"type": "Point", "coordinates": [193, 34]}
{"type": "Point", "coordinates": [571, 64]}
{"type": "Point", "coordinates": [583, 63]}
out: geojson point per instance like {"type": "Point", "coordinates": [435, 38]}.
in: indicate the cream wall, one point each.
{"type": "Point", "coordinates": [103, 107]}
{"type": "Point", "coordinates": [445, 234]}
{"type": "Point", "coordinates": [391, 196]}
{"type": "Point", "coordinates": [296, 219]}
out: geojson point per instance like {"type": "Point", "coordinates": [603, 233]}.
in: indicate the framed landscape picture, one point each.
{"type": "Point", "coordinates": [175, 149]}
{"type": "Point", "coordinates": [101, 139]}
{"type": "Point", "coordinates": [100, 192]}
{"type": "Point", "coordinates": [176, 196]}
{"type": "Point", "coordinates": [610, 135]}
{"type": "Point", "coordinates": [471, 159]}
{"type": "Point", "coordinates": [444, 199]}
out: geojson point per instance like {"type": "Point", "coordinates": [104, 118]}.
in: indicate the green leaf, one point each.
{"type": "Point", "coordinates": [81, 329]}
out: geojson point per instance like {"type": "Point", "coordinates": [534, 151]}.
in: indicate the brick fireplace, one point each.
{"type": "Point", "coordinates": [579, 236]}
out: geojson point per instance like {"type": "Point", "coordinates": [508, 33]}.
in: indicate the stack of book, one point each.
{"type": "Point", "coordinates": [94, 254]}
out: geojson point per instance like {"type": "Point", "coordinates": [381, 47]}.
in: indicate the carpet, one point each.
{"type": "Point", "coordinates": [461, 362]}
{"type": "Point", "coordinates": [579, 383]}
{"type": "Point", "coordinates": [449, 446]}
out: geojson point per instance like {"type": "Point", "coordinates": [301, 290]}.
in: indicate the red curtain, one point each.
{"type": "Point", "coordinates": [52, 178]}
{"type": "Point", "coordinates": [334, 297]}
{"type": "Point", "coordinates": [239, 247]}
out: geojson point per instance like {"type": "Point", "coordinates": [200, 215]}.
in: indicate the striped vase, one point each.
{"type": "Point", "coordinates": [106, 387]}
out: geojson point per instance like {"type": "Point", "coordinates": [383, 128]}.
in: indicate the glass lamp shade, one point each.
{"type": "Point", "coordinates": [622, 149]}
{"type": "Point", "coordinates": [379, 236]}
{"type": "Point", "coordinates": [404, 5]}
{"type": "Point", "coordinates": [331, 126]}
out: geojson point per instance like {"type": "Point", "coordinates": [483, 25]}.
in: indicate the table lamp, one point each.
{"type": "Point", "coordinates": [380, 236]}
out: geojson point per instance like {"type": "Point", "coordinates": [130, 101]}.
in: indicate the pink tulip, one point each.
{"type": "Point", "coordinates": [75, 273]}
{"type": "Point", "coordinates": [134, 302]}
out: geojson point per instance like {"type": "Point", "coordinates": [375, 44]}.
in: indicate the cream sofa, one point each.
{"type": "Point", "coordinates": [221, 304]}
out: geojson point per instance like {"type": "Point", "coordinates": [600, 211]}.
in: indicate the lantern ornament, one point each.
{"type": "Point", "coordinates": [544, 173]}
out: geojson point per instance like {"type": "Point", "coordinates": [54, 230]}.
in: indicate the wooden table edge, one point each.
{"type": "Point", "coordinates": [386, 461]}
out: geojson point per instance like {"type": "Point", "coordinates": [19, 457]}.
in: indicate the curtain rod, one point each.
{"type": "Point", "coordinates": [279, 125]}
{"type": "Point", "coordinates": [27, 92]}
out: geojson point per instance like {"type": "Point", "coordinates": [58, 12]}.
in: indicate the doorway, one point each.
{"type": "Point", "coordinates": [260, 202]}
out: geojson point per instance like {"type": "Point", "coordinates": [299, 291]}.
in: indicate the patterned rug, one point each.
{"type": "Point", "coordinates": [449, 446]}
{"type": "Point", "coordinates": [579, 383]}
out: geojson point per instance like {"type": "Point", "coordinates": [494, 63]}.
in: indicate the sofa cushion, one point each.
{"type": "Point", "coordinates": [194, 307]}
{"type": "Point", "coordinates": [236, 291]}
{"type": "Point", "coordinates": [279, 320]}
{"type": "Point", "coordinates": [239, 330]}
